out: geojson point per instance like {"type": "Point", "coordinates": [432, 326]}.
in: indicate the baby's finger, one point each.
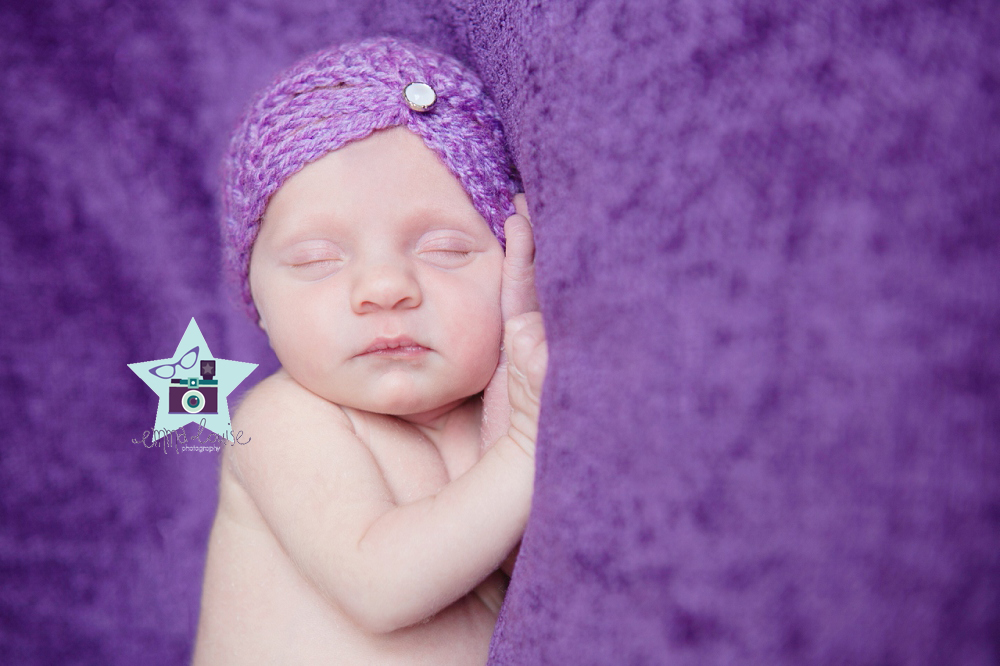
{"type": "Point", "coordinates": [526, 321]}
{"type": "Point", "coordinates": [536, 367]}
{"type": "Point", "coordinates": [517, 293]}
{"type": "Point", "coordinates": [528, 354]}
{"type": "Point", "coordinates": [520, 253]}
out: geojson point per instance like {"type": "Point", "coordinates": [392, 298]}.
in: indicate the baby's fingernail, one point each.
{"type": "Point", "coordinates": [515, 325]}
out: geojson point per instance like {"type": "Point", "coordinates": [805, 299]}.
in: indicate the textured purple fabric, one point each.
{"type": "Point", "coordinates": [768, 247]}
{"type": "Point", "coordinates": [342, 94]}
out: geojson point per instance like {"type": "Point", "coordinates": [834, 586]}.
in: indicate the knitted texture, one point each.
{"type": "Point", "coordinates": [343, 94]}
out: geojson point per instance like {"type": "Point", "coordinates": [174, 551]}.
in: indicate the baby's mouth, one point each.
{"type": "Point", "coordinates": [398, 347]}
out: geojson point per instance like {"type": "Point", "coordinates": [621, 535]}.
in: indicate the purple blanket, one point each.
{"type": "Point", "coordinates": [769, 261]}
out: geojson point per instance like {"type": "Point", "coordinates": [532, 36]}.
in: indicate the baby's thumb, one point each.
{"type": "Point", "coordinates": [528, 351]}
{"type": "Point", "coordinates": [515, 325]}
{"type": "Point", "coordinates": [522, 334]}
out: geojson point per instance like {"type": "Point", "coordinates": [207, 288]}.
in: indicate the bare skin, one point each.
{"type": "Point", "coordinates": [366, 522]}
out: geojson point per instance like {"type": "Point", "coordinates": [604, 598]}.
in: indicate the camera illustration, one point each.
{"type": "Point", "coordinates": [195, 395]}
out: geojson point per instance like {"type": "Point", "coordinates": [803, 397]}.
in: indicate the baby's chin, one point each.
{"type": "Point", "coordinates": [407, 405]}
{"type": "Point", "coordinates": [410, 408]}
{"type": "Point", "coordinates": [398, 396]}
{"type": "Point", "coordinates": [391, 398]}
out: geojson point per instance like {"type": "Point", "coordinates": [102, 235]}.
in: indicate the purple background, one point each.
{"type": "Point", "coordinates": [768, 253]}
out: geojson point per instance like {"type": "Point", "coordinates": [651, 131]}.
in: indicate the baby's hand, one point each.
{"type": "Point", "coordinates": [517, 296]}
{"type": "Point", "coordinates": [524, 338]}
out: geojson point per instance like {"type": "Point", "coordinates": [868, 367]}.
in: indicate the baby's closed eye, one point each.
{"type": "Point", "coordinates": [446, 251]}
{"type": "Point", "coordinates": [314, 260]}
{"type": "Point", "coordinates": [316, 269]}
{"type": "Point", "coordinates": [447, 258]}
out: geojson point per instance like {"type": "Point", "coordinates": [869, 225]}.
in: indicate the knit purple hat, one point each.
{"type": "Point", "coordinates": [344, 94]}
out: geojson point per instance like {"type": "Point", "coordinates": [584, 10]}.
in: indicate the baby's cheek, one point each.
{"type": "Point", "coordinates": [481, 344]}
{"type": "Point", "coordinates": [299, 345]}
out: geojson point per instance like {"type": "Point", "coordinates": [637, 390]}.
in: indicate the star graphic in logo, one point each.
{"type": "Point", "coordinates": [194, 387]}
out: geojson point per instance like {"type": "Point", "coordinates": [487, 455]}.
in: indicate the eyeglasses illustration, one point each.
{"type": "Point", "coordinates": [168, 370]}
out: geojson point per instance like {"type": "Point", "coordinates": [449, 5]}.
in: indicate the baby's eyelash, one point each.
{"type": "Point", "coordinates": [308, 261]}
{"type": "Point", "coordinates": [316, 267]}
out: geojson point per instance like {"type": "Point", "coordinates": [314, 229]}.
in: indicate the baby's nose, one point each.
{"type": "Point", "coordinates": [385, 286]}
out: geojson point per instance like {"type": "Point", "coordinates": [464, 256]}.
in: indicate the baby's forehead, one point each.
{"type": "Point", "coordinates": [388, 176]}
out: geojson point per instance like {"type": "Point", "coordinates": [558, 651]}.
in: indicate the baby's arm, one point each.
{"type": "Point", "coordinates": [517, 296]}
{"type": "Point", "coordinates": [322, 494]}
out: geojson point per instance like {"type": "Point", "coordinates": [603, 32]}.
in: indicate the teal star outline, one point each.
{"type": "Point", "coordinates": [229, 373]}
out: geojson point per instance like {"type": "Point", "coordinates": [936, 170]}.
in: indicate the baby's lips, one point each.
{"type": "Point", "coordinates": [382, 342]}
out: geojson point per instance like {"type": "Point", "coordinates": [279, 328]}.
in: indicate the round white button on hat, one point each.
{"type": "Point", "coordinates": [419, 96]}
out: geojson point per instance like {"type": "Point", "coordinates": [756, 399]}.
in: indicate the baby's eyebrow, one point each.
{"type": "Point", "coordinates": [457, 216]}
{"type": "Point", "coordinates": [291, 239]}
{"type": "Point", "coordinates": [422, 220]}
{"type": "Point", "coordinates": [308, 226]}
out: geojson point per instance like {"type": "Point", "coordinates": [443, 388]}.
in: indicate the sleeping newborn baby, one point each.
{"type": "Point", "coordinates": [367, 519]}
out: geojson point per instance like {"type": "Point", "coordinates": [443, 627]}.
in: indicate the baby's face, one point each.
{"type": "Point", "coordinates": [374, 245]}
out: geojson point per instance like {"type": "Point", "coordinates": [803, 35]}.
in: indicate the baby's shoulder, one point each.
{"type": "Point", "coordinates": [288, 427]}
{"type": "Point", "coordinates": [280, 402]}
